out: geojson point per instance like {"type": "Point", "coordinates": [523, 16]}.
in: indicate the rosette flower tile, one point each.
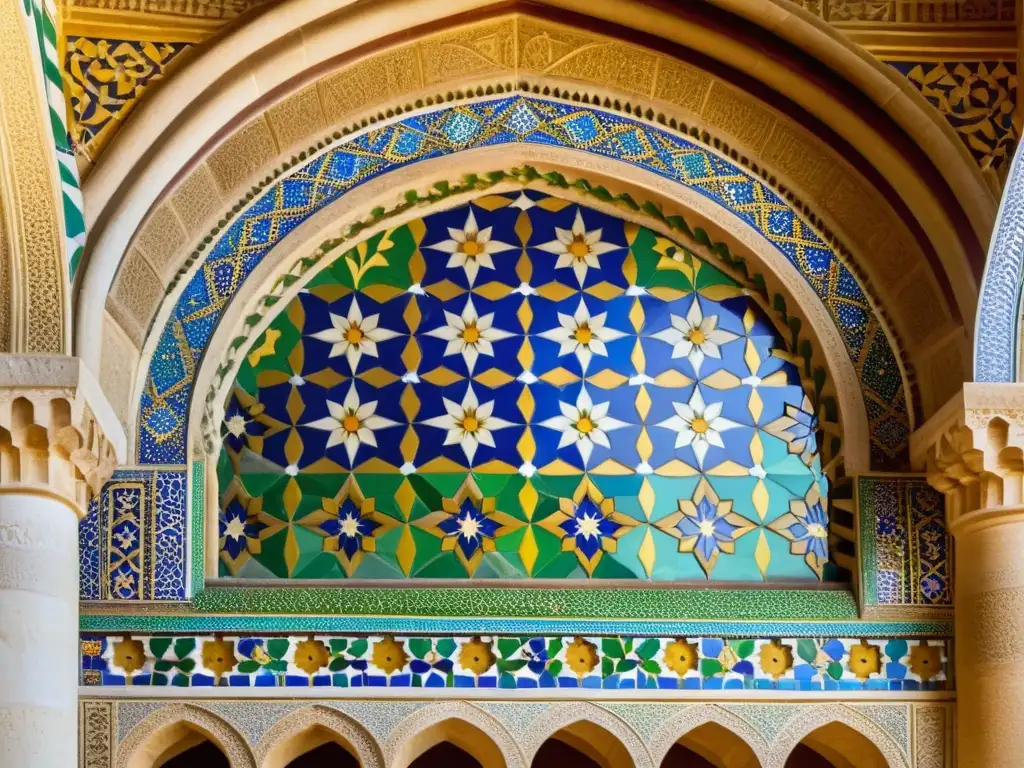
{"type": "Point", "coordinates": [522, 387]}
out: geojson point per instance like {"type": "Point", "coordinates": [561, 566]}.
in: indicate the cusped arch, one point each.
{"type": "Point", "coordinates": [307, 728]}
{"type": "Point", "coordinates": [475, 732]}
{"type": "Point", "coordinates": [564, 716]}
{"type": "Point", "coordinates": [168, 725]}
{"type": "Point", "coordinates": [812, 718]}
{"type": "Point", "coordinates": [692, 718]}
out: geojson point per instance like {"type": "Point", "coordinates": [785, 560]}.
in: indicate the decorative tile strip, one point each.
{"type": "Point", "coordinates": [618, 663]}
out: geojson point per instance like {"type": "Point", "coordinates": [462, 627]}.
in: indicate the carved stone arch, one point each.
{"type": "Point", "coordinates": [564, 715]}
{"type": "Point", "coordinates": [691, 718]}
{"type": "Point", "coordinates": [156, 733]}
{"type": "Point", "coordinates": [409, 732]}
{"type": "Point", "coordinates": [353, 736]}
{"type": "Point", "coordinates": [813, 717]}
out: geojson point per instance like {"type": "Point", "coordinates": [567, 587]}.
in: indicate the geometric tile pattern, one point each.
{"type": "Point", "coordinates": [448, 130]}
{"type": "Point", "coordinates": [977, 98]}
{"type": "Point", "coordinates": [521, 387]}
{"type": "Point", "coordinates": [520, 662]}
{"type": "Point", "coordinates": [133, 541]}
{"type": "Point", "coordinates": [906, 557]}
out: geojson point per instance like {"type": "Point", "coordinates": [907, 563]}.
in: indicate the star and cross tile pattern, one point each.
{"type": "Point", "coordinates": [521, 387]}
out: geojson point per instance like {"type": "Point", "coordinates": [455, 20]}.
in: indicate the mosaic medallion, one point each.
{"type": "Point", "coordinates": [521, 387]}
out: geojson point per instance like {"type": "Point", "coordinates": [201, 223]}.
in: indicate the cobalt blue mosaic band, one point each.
{"type": "Point", "coordinates": [518, 662]}
{"type": "Point", "coordinates": [325, 178]}
{"type": "Point", "coordinates": [133, 541]}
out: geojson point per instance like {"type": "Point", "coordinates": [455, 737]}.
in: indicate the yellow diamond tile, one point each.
{"type": "Point", "coordinates": [553, 204]}
{"type": "Point", "coordinates": [441, 376]}
{"type": "Point", "coordinates": [636, 315]}
{"type": "Point", "coordinates": [412, 314]}
{"type": "Point", "coordinates": [330, 292]}
{"type": "Point", "coordinates": [527, 446]}
{"type": "Point", "coordinates": [778, 379]}
{"type": "Point", "coordinates": [493, 377]}
{"type": "Point", "coordinates": [291, 497]}
{"type": "Point", "coordinates": [404, 497]}
{"type": "Point", "coordinates": [607, 379]}
{"type": "Point", "coordinates": [762, 555]}
{"type": "Point", "coordinates": [556, 291]}
{"type": "Point", "coordinates": [760, 498]}
{"type": "Point", "coordinates": [528, 498]}
{"type": "Point", "coordinates": [637, 358]}
{"type": "Point", "coordinates": [417, 267]}
{"type": "Point", "coordinates": [271, 378]}
{"type": "Point", "coordinates": [643, 402]}
{"type": "Point", "coordinates": [667, 294]}
{"type": "Point", "coordinates": [293, 447]}
{"type": "Point", "coordinates": [611, 467]}
{"type": "Point", "coordinates": [492, 202]}
{"type": "Point", "coordinates": [632, 230]}
{"type": "Point", "coordinates": [755, 405]}
{"type": "Point", "coordinates": [721, 379]}
{"type": "Point", "coordinates": [296, 314]}
{"type": "Point", "coordinates": [378, 377]}
{"type": "Point", "coordinates": [749, 318]}
{"type": "Point", "coordinates": [528, 550]}
{"type": "Point", "coordinates": [295, 406]}
{"type": "Point", "coordinates": [381, 292]}
{"type": "Point", "coordinates": [297, 357]}
{"type": "Point", "coordinates": [291, 551]}
{"type": "Point", "coordinates": [676, 468]}
{"type": "Point", "coordinates": [525, 314]}
{"type": "Point", "coordinates": [410, 402]}
{"type": "Point", "coordinates": [524, 228]}
{"type": "Point", "coordinates": [644, 445]}
{"type": "Point", "coordinates": [411, 355]}
{"type": "Point", "coordinates": [526, 404]}
{"type": "Point", "coordinates": [525, 355]}
{"type": "Point", "coordinates": [721, 292]}
{"type": "Point", "coordinates": [756, 449]}
{"type": "Point", "coordinates": [646, 498]}
{"type": "Point", "coordinates": [751, 358]}
{"type": "Point", "coordinates": [647, 553]}
{"type": "Point", "coordinates": [559, 377]}
{"type": "Point", "coordinates": [605, 290]}
{"type": "Point", "coordinates": [328, 378]}
{"type": "Point", "coordinates": [444, 290]}
{"type": "Point", "coordinates": [524, 267]}
{"type": "Point", "coordinates": [409, 445]}
{"type": "Point", "coordinates": [406, 551]}
{"type": "Point", "coordinates": [629, 270]}
{"type": "Point", "coordinates": [493, 290]}
{"type": "Point", "coordinates": [672, 379]}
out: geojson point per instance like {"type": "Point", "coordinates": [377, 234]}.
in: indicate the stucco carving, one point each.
{"type": "Point", "coordinates": [693, 717]}
{"type": "Point", "coordinates": [563, 715]}
{"type": "Point", "coordinates": [433, 714]}
{"type": "Point", "coordinates": [295, 723]}
{"type": "Point", "coordinates": [95, 729]}
{"type": "Point", "coordinates": [930, 732]}
{"type": "Point", "coordinates": [814, 717]}
{"type": "Point", "coordinates": [226, 737]}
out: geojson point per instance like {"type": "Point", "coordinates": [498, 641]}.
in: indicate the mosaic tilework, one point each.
{"type": "Point", "coordinates": [133, 541]}
{"type": "Point", "coordinates": [326, 177]}
{"type": "Point", "coordinates": [517, 387]}
{"type": "Point", "coordinates": [977, 98]}
{"type": "Point", "coordinates": [104, 79]}
{"type": "Point", "coordinates": [905, 547]}
{"type": "Point", "coordinates": [522, 662]}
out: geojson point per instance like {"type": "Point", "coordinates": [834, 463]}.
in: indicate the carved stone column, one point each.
{"type": "Point", "coordinates": [54, 454]}
{"type": "Point", "coordinates": [973, 451]}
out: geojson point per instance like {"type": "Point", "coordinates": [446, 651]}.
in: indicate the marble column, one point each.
{"type": "Point", "coordinates": [973, 451]}
{"type": "Point", "coordinates": [53, 455]}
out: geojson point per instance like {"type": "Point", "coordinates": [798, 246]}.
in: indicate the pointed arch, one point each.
{"type": "Point", "coordinates": [698, 716]}
{"type": "Point", "coordinates": [579, 720]}
{"type": "Point", "coordinates": [812, 719]}
{"type": "Point", "coordinates": [305, 729]}
{"type": "Point", "coordinates": [471, 729]}
{"type": "Point", "coordinates": [175, 724]}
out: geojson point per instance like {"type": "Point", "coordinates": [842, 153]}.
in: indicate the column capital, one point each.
{"type": "Point", "coordinates": [58, 434]}
{"type": "Point", "coordinates": [972, 449]}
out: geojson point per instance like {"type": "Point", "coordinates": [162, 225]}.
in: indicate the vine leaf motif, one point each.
{"type": "Point", "coordinates": [360, 261]}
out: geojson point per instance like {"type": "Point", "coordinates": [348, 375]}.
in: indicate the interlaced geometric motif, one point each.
{"type": "Point", "coordinates": [521, 387]}
{"type": "Point", "coordinates": [448, 130]}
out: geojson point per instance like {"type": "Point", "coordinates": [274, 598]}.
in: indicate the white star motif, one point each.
{"type": "Point", "coordinates": [582, 334]}
{"type": "Point", "coordinates": [469, 424]}
{"type": "Point", "coordinates": [469, 334]}
{"type": "Point", "coordinates": [695, 336]}
{"type": "Point", "coordinates": [583, 425]}
{"type": "Point", "coordinates": [577, 248]}
{"type": "Point", "coordinates": [698, 425]}
{"type": "Point", "coordinates": [354, 335]}
{"type": "Point", "coordinates": [352, 423]}
{"type": "Point", "coordinates": [471, 248]}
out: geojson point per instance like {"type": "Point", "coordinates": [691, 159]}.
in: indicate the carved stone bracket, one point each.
{"type": "Point", "coordinates": [58, 434]}
{"type": "Point", "coordinates": [973, 449]}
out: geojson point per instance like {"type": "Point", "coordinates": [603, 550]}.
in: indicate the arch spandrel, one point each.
{"type": "Point", "coordinates": [947, 353]}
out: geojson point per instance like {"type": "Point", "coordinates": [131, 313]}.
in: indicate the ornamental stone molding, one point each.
{"type": "Point", "coordinates": [973, 450]}
{"type": "Point", "coordinates": [58, 435]}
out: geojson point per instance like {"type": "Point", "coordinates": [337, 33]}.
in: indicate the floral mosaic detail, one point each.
{"type": "Point", "coordinates": [611, 662]}
{"type": "Point", "coordinates": [647, 378]}
{"type": "Point", "coordinates": [806, 526]}
{"type": "Point", "coordinates": [905, 546]}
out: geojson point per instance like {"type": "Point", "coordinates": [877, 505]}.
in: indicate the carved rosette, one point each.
{"type": "Point", "coordinates": [51, 440]}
